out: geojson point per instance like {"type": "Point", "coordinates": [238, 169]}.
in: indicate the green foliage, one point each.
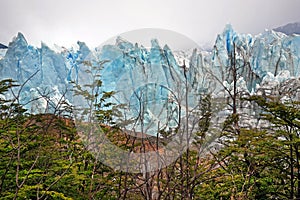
{"type": "Point", "coordinates": [99, 106]}
{"type": "Point", "coordinates": [247, 165]}
{"type": "Point", "coordinates": [42, 156]}
{"type": "Point", "coordinates": [258, 163]}
{"type": "Point", "coordinates": [205, 118]}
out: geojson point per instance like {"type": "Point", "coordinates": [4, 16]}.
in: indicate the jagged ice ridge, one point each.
{"type": "Point", "coordinates": [269, 58]}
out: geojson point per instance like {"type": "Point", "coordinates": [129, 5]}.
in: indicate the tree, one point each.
{"type": "Point", "coordinates": [26, 141]}
{"type": "Point", "coordinates": [284, 117]}
{"type": "Point", "coordinates": [253, 161]}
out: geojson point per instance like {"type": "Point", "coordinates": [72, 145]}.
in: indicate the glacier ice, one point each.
{"type": "Point", "coordinates": [131, 69]}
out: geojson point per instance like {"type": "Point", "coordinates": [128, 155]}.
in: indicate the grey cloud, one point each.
{"type": "Point", "coordinates": [94, 21]}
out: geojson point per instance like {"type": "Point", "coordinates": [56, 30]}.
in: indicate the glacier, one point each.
{"type": "Point", "coordinates": [131, 69]}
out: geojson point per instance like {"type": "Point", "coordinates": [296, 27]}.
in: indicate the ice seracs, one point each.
{"type": "Point", "coordinates": [268, 57]}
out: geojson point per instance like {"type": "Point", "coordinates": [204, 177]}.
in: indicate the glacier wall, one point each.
{"type": "Point", "coordinates": [267, 57]}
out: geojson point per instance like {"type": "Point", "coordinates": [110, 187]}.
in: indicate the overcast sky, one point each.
{"type": "Point", "coordinates": [64, 22]}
